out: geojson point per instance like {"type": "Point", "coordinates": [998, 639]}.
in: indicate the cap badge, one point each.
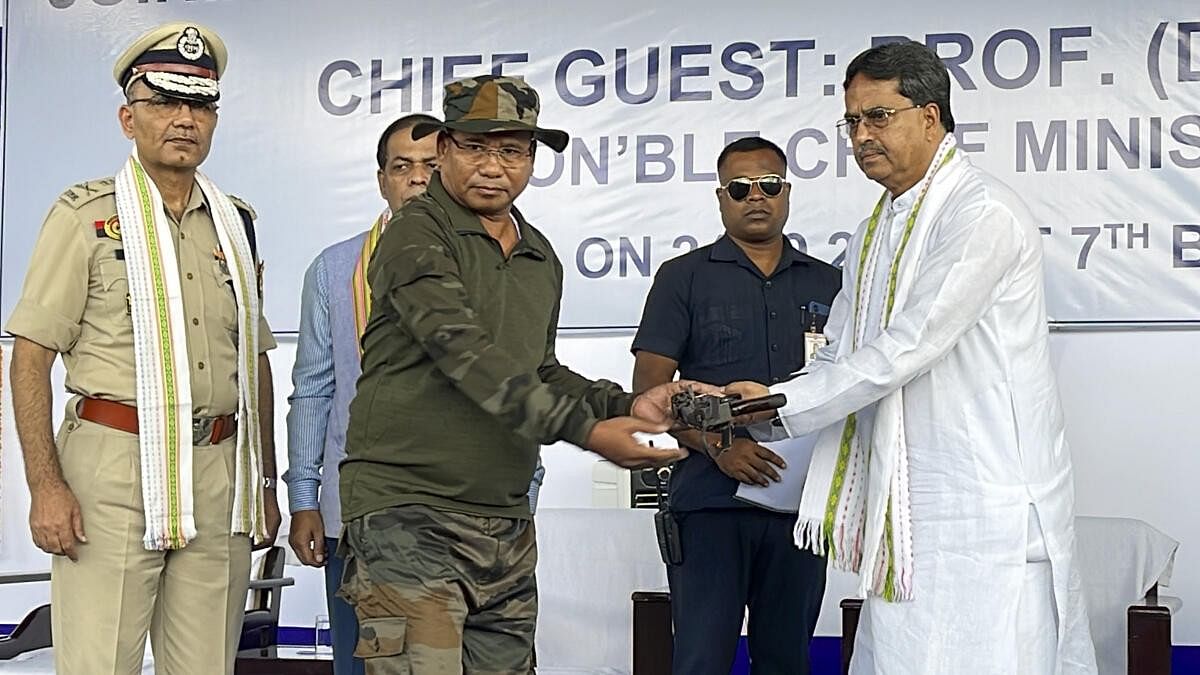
{"type": "Point", "coordinates": [190, 45]}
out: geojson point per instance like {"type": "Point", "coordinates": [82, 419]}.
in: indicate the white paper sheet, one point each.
{"type": "Point", "coordinates": [783, 496]}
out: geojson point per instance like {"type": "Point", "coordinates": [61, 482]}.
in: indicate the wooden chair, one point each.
{"type": "Point", "coordinates": [1149, 634]}
{"type": "Point", "coordinates": [653, 642]}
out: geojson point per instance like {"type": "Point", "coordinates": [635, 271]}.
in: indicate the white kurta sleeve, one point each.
{"type": "Point", "coordinates": [962, 271]}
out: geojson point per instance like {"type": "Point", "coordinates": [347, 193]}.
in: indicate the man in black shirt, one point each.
{"type": "Point", "coordinates": [737, 309]}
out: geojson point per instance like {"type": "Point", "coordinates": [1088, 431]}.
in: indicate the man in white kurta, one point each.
{"type": "Point", "coordinates": [951, 480]}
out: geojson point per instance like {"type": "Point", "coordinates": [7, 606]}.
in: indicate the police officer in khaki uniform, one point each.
{"type": "Point", "coordinates": [110, 585]}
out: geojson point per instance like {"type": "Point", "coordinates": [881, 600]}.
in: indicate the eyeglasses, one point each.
{"type": "Point", "coordinates": [166, 105]}
{"type": "Point", "coordinates": [739, 188]}
{"type": "Point", "coordinates": [507, 155]}
{"type": "Point", "coordinates": [874, 118]}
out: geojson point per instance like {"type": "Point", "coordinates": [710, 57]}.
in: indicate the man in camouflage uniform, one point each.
{"type": "Point", "coordinates": [110, 581]}
{"type": "Point", "coordinates": [460, 384]}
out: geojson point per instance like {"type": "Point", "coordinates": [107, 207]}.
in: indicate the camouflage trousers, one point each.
{"type": "Point", "coordinates": [441, 592]}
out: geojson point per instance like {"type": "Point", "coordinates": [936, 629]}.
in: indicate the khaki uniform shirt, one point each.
{"type": "Point", "coordinates": [75, 300]}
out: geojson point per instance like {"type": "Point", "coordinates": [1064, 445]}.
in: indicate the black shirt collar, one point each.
{"type": "Point", "coordinates": [726, 249]}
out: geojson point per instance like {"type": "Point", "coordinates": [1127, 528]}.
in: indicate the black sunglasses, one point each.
{"type": "Point", "coordinates": [739, 188]}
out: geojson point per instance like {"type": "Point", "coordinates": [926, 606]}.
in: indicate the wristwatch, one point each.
{"type": "Point", "coordinates": [269, 482]}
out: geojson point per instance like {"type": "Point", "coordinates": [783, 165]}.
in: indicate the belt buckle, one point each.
{"type": "Point", "coordinates": [202, 430]}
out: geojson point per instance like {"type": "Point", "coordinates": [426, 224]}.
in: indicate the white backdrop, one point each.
{"type": "Point", "coordinates": [1090, 109]}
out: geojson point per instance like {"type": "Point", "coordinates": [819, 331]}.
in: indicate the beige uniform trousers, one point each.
{"type": "Point", "coordinates": [190, 600]}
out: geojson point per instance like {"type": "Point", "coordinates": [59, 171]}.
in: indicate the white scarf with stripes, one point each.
{"type": "Point", "coordinates": [855, 505]}
{"type": "Point", "coordinates": [164, 393]}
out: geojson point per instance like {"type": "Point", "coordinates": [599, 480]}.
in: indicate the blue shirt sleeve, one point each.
{"type": "Point", "coordinates": [667, 317]}
{"type": "Point", "coordinates": [312, 392]}
{"type": "Point", "coordinates": [535, 485]}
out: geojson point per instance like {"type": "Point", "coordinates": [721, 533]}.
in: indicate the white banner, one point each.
{"type": "Point", "coordinates": [1090, 110]}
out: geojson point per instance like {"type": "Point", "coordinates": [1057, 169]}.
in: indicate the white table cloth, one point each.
{"type": "Point", "coordinates": [591, 560]}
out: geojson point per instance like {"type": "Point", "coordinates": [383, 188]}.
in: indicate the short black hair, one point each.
{"type": "Point", "coordinates": [922, 75]}
{"type": "Point", "coordinates": [750, 144]}
{"type": "Point", "coordinates": [406, 122]}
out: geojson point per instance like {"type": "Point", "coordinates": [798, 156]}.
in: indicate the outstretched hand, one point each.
{"type": "Point", "coordinates": [654, 404]}
{"type": "Point", "coordinates": [614, 440]}
{"type": "Point", "coordinates": [747, 389]}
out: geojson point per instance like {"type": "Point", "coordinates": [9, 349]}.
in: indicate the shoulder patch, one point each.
{"type": "Point", "coordinates": [108, 229]}
{"type": "Point", "coordinates": [241, 204]}
{"type": "Point", "coordinates": [81, 193]}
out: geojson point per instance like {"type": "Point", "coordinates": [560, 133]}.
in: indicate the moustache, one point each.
{"type": "Point", "coordinates": [868, 149]}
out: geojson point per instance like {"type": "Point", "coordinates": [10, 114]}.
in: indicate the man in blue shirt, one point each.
{"type": "Point", "coordinates": [737, 307]}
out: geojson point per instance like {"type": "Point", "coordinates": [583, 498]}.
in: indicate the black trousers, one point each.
{"type": "Point", "coordinates": [734, 559]}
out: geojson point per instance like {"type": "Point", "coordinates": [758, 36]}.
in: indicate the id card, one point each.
{"type": "Point", "coordinates": [813, 342]}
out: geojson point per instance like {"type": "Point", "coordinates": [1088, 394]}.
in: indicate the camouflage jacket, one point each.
{"type": "Point", "coordinates": [460, 383]}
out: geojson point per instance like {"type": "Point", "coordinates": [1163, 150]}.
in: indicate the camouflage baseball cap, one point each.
{"type": "Point", "coordinates": [489, 103]}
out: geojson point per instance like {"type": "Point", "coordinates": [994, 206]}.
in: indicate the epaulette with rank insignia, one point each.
{"type": "Point", "coordinates": [243, 206]}
{"type": "Point", "coordinates": [81, 193]}
{"type": "Point", "coordinates": [248, 217]}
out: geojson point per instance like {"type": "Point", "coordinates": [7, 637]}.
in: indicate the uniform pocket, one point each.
{"type": "Point", "coordinates": [115, 283]}
{"type": "Point", "coordinates": [381, 637]}
{"type": "Point", "coordinates": [722, 340]}
{"type": "Point", "coordinates": [351, 581]}
{"type": "Point", "coordinates": [67, 458]}
{"type": "Point", "coordinates": [81, 449]}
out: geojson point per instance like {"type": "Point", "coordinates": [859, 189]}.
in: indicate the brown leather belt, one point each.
{"type": "Point", "coordinates": [205, 430]}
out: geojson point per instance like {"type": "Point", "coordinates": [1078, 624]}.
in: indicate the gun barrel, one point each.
{"type": "Point", "coordinates": [754, 405]}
